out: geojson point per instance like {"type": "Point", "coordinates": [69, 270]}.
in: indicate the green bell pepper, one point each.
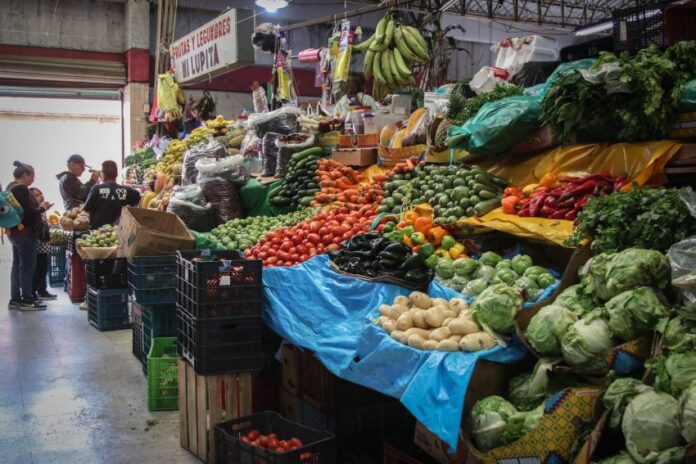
{"type": "Point", "coordinates": [427, 249]}
{"type": "Point", "coordinates": [432, 261]}
{"type": "Point", "coordinates": [418, 238]}
{"type": "Point", "coordinates": [448, 242]}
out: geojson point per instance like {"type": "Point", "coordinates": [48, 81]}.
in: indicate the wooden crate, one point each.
{"type": "Point", "coordinates": [204, 401]}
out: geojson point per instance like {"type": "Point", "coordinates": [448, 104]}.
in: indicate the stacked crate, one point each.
{"type": "Point", "coordinates": [57, 265]}
{"type": "Point", "coordinates": [107, 294]}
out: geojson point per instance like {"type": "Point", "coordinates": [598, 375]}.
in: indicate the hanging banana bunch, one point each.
{"type": "Point", "coordinates": [390, 53]}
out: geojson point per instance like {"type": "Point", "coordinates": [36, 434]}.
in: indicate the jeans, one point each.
{"type": "Point", "coordinates": [41, 273]}
{"type": "Point", "coordinates": [23, 266]}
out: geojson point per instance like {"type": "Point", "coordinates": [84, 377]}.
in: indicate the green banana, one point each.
{"type": "Point", "coordinates": [389, 33]}
{"type": "Point", "coordinates": [365, 44]}
{"type": "Point", "coordinates": [403, 48]}
{"type": "Point", "coordinates": [400, 64]}
{"type": "Point", "coordinates": [381, 29]}
{"type": "Point", "coordinates": [377, 69]}
{"type": "Point", "coordinates": [368, 63]}
{"type": "Point", "coordinates": [416, 42]}
{"type": "Point", "coordinates": [386, 67]}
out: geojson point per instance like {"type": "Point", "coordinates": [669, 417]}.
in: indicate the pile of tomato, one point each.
{"type": "Point", "coordinates": [288, 246]}
{"type": "Point", "coordinates": [271, 442]}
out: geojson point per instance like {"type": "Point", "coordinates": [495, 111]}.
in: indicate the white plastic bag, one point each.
{"type": "Point", "coordinates": [488, 78]}
{"type": "Point", "coordinates": [682, 257]}
{"type": "Point", "coordinates": [516, 51]}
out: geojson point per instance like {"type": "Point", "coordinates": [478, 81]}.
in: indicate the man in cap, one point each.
{"type": "Point", "coordinates": [73, 191]}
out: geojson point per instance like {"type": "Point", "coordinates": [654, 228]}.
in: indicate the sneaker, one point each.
{"type": "Point", "coordinates": [14, 304]}
{"type": "Point", "coordinates": [46, 296]}
{"type": "Point", "coordinates": [32, 306]}
{"type": "Point", "coordinates": [83, 306]}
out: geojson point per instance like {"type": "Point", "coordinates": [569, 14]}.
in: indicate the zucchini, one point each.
{"type": "Point", "coordinates": [304, 201]}
{"type": "Point", "coordinates": [275, 190]}
{"type": "Point", "coordinates": [486, 206]}
{"type": "Point", "coordinates": [487, 195]}
{"type": "Point", "coordinates": [280, 201]}
{"type": "Point", "coordinates": [299, 156]}
{"type": "Point", "coordinates": [479, 186]}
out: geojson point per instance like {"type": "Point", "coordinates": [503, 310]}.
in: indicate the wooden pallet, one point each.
{"type": "Point", "coordinates": [205, 400]}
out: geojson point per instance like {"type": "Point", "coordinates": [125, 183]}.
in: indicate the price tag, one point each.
{"type": "Point", "coordinates": [225, 281]}
{"type": "Point", "coordinates": [205, 252]}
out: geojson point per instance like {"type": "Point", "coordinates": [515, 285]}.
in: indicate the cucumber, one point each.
{"type": "Point", "coordinates": [487, 195]}
{"type": "Point", "coordinates": [483, 207]}
{"type": "Point", "coordinates": [305, 153]}
{"type": "Point", "coordinates": [312, 191]}
{"type": "Point", "coordinates": [479, 186]}
{"type": "Point", "coordinates": [304, 201]}
{"type": "Point", "coordinates": [306, 161]}
{"type": "Point", "coordinates": [275, 190]}
{"type": "Point", "coordinates": [280, 201]}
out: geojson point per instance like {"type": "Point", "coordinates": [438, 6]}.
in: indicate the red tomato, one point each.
{"type": "Point", "coordinates": [245, 439]}
{"type": "Point", "coordinates": [327, 239]}
{"type": "Point", "coordinates": [285, 246]}
{"type": "Point", "coordinates": [272, 259]}
{"type": "Point", "coordinates": [302, 249]}
{"type": "Point", "coordinates": [306, 455]}
{"type": "Point", "coordinates": [295, 257]}
{"type": "Point", "coordinates": [320, 248]}
{"type": "Point", "coordinates": [289, 263]}
{"type": "Point", "coordinates": [333, 247]}
{"type": "Point", "coordinates": [284, 444]}
{"type": "Point", "coordinates": [272, 442]}
{"type": "Point", "coordinates": [294, 441]}
{"type": "Point", "coordinates": [347, 235]}
{"type": "Point", "coordinates": [273, 435]}
{"type": "Point", "coordinates": [312, 252]}
{"type": "Point", "coordinates": [266, 247]}
{"type": "Point", "coordinates": [314, 226]}
{"type": "Point", "coordinates": [323, 231]}
{"type": "Point", "coordinates": [262, 255]}
{"type": "Point", "coordinates": [279, 263]}
{"type": "Point", "coordinates": [292, 250]}
{"type": "Point", "coordinates": [247, 253]}
{"type": "Point", "coordinates": [276, 241]}
{"type": "Point", "coordinates": [284, 256]}
{"type": "Point", "coordinates": [253, 434]}
{"type": "Point", "coordinates": [304, 258]}
{"type": "Point", "coordinates": [380, 228]}
{"type": "Point", "coordinates": [256, 443]}
{"type": "Point", "coordinates": [314, 238]}
{"type": "Point", "coordinates": [341, 217]}
{"type": "Point", "coordinates": [263, 441]}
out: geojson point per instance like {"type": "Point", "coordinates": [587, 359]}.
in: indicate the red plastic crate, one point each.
{"type": "Point", "coordinates": [77, 285]}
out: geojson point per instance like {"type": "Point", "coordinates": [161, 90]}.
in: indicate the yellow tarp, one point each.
{"type": "Point", "coordinates": [553, 230]}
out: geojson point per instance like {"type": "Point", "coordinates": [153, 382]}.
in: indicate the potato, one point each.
{"type": "Point", "coordinates": [463, 327]}
{"type": "Point", "coordinates": [424, 334]}
{"type": "Point", "coordinates": [440, 334]}
{"type": "Point", "coordinates": [385, 310]}
{"type": "Point", "coordinates": [456, 338]}
{"type": "Point", "coordinates": [466, 314]}
{"type": "Point", "coordinates": [476, 342]}
{"type": "Point", "coordinates": [447, 345]}
{"type": "Point", "coordinates": [430, 345]}
{"type": "Point", "coordinates": [399, 336]}
{"type": "Point", "coordinates": [435, 316]}
{"type": "Point", "coordinates": [381, 320]}
{"type": "Point", "coordinates": [403, 301]}
{"type": "Point", "coordinates": [449, 314]}
{"type": "Point", "coordinates": [405, 321]}
{"type": "Point", "coordinates": [458, 305]}
{"type": "Point", "coordinates": [447, 321]}
{"type": "Point", "coordinates": [421, 300]}
{"type": "Point", "coordinates": [416, 341]}
{"type": "Point", "coordinates": [397, 310]}
{"type": "Point", "coordinates": [389, 326]}
{"type": "Point", "coordinates": [419, 319]}
{"type": "Point", "coordinates": [440, 302]}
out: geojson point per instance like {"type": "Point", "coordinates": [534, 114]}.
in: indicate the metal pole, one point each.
{"type": "Point", "coordinates": [357, 12]}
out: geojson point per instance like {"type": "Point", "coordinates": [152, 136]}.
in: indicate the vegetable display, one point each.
{"type": "Point", "coordinates": [104, 237]}
{"type": "Point", "coordinates": [58, 237]}
{"type": "Point", "coordinates": [373, 255]}
{"type": "Point", "coordinates": [272, 443]}
{"type": "Point", "coordinates": [472, 105]}
{"type": "Point", "coordinates": [299, 186]}
{"type": "Point", "coordinates": [244, 233]}
{"type": "Point", "coordinates": [656, 218]}
{"type": "Point", "coordinates": [562, 198]}
{"type": "Point", "coordinates": [495, 422]}
{"type": "Point", "coordinates": [75, 219]}
{"type": "Point", "coordinates": [454, 193]}
{"type": "Point", "coordinates": [429, 324]}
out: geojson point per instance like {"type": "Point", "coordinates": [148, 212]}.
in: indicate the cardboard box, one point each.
{"type": "Point", "coordinates": [355, 157]}
{"type": "Point", "coordinates": [289, 405]}
{"type": "Point", "coordinates": [438, 449]}
{"type": "Point", "coordinates": [290, 373]}
{"type": "Point", "coordinates": [146, 232]}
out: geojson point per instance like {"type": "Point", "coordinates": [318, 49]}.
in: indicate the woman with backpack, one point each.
{"type": "Point", "coordinates": [23, 238]}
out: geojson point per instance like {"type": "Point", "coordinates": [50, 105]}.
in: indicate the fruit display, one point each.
{"type": "Point", "coordinates": [58, 237]}
{"type": "Point", "coordinates": [174, 153]}
{"type": "Point", "coordinates": [454, 193]}
{"type": "Point", "coordinates": [473, 276]}
{"type": "Point", "coordinates": [391, 52]}
{"type": "Point", "coordinates": [324, 232]}
{"type": "Point", "coordinates": [271, 443]}
{"type": "Point", "coordinates": [104, 237]}
{"type": "Point", "coordinates": [559, 198]}
{"type": "Point", "coordinates": [75, 219]}
{"type": "Point", "coordinates": [218, 126]}
{"type": "Point", "coordinates": [244, 233]}
{"type": "Point", "coordinates": [300, 185]}
{"type": "Point", "coordinates": [413, 133]}
{"type": "Point", "coordinates": [430, 324]}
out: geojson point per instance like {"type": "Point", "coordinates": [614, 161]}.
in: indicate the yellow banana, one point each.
{"type": "Point", "coordinates": [389, 33]}
{"type": "Point", "coordinates": [365, 44]}
{"type": "Point", "coordinates": [377, 69]}
{"type": "Point", "coordinates": [367, 65]}
{"type": "Point", "coordinates": [400, 64]}
{"type": "Point", "coordinates": [386, 67]}
{"type": "Point", "coordinates": [401, 44]}
{"type": "Point", "coordinates": [416, 42]}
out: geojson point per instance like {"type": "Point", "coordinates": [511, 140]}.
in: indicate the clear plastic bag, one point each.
{"type": "Point", "coordinates": [251, 145]}
{"type": "Point", "coordinates": [196, 217]}
{"type": "Point", "coordinates": [270, 150]}
{"type": "Point", "coordinates": [190, 193]}
{"type": "Point", "coordinates": [231, 169]}
{"type": "Point", "coordinates": [288, 146]}
{"type": "Point", "coordinates": [281, 121]}
{"type": "Point", "coordinates": [224, 197]}
{"type": "Point", "coordinates": [682, 257]}
{"type": "Point", "coordinates": [213, 149]}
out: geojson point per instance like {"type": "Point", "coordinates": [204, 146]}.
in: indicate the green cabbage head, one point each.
{"type": "Point", "coordinates": [687, 413]}
{"type": "Point", "coordinates": [586, 340]}
{"type": "Point", "coordinates": [635, 312]}
{"type": "Point", "coordinates": [495, 308]}
{"type": "Point", "coordinates": [547, 327]}
{"type": "Point", "coordinates": [488, 420]}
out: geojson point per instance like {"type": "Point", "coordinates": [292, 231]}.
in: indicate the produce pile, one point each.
{"type": "Point", "coordinates": [299, 186]}
{"type": "Point", "coordinates": [58, 237]}
{"type": "Point", "coordinates": [454, 193]}
{"type": "Point", "coordinates": [75, 219]}
{"type": "Point", "coordinates": [334, 180]}
{"type": "Point", "coordinates": [429, 324]}
{"type": "Point", "coordinates": [562, 198]}
{"type": "Point", "coordinates": [473, 276]}
{"type": "Point", "coordinates": [271, 443]}
{"type": "Point", "coordinates": [373, 255]}
{"type": "Point", "coordinates": [104, 237]}
{"type": "Point", "coordinates": [416, 231]}
{"type": "Point", "coordinates": [174, 154]}
{"type": "Point", "coordinates": [218, 126]}
{"type": "Point", "coordinates": [244, 233]}
{"type": "Point", "coordinates": [643, 218]}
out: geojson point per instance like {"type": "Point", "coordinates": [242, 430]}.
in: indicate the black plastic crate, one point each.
{"type": "Point", "coordinates": [56, 265]}
{"type": "Point", "coordinates": [107, 274]}
{"type": "Point", "coordinates": [223, 284]}
{"type": "Point", "coordinates": [152, 272]}
{"type": "Point", "coordinates": [589, 49]}
{"type": "Point", "coordinates": [223, 345]}
{"type": "Point", "coordinates": [318, 447]}
{"type": "Point", "coordinates": [108, 309]}
{"type": "Point", "coordinates": [137, 335]}
{"type": "Point", "coordinates": [639, 27]}
{"type": "Point", "coordinates": [158, 296]}
{"type": "Point", "coordinates": [159, 320]}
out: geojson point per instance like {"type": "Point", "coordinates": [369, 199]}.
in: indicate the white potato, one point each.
{"type": "Point", "coordinates": [447, 345]}
{"type": "Point", "coordinates": [399, 336]}
{"type": "Point", "coordinates": [466, 315]}
{"type": "Point", "coordinates": [449, 314]}
{"type": "Point", "coordinates": [430, 345]}
{"type": "Point", "coordinates": [419, 319]}
{"type": "Point", "coordinates": [421, 300]}
{"type": "Point", "coordinates": [381, 320]}
{"type": "Point", "coordinates": [435, 317]}
{"type": "Point", "coordinates": [458, 305]}
{"type": "Point", "coordinates": [397, 310]}
{"type": "Point", "coordinates": [476, 342]}
{"type": "Point", "coordinates": [447, 321]}
{"type": "Point", "coordinates": [405, 321]}
{"type": "Point", "coordinates": [456, 338]}
{"type": "Point", "coordinates": [463, 327]}
{"type": "Point", "coordinates": [385, 310]}
{"type": "Point", "coordinates": [416, 341]}
{"type": "Point", "coordinates": [424, 334]}
{"type": "Point", "coordinates": [440, 302]}
{"type": "Point", "coordinates": [440, 334]}
{"type": "Point", "coordinates": [403, 301]}
{"type": "Point", "coordinates": [389, 326]}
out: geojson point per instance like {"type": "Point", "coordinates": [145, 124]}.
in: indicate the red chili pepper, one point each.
{"type": "Point", "coordinates": [551, 201]}
{"type": "Point", "coordinates": [524, 212]}
{"type": "Point", "coordinates": [582, 202]}
{"type": "Point", "coordinates": [619, 182]}
{"type": "Point", "coordinates": [536, 203]}
{"type": "Point", "coordinates": [547, 211]}
{"type": "Point", "coordinates": [559, 214]}
{"type": "Point", "coordinates": [582, 189]}
{"type": "Point", "coordinates": [572, 214]}
{"type": "Point", "coordinates": [571, 180]}
{"type": "Point", "coordinates": [569, 203]}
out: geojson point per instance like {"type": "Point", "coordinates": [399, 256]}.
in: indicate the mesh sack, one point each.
{"type": "Point", "coordinates": [212, 149]}
{"type": "Point", "coordinates": [270, 151]}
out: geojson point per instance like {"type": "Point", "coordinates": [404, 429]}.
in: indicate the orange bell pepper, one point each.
{"type": "Point", "coordinates": [547, 180]}
{"type": "Point", "coordinates": [423, 224]}
{"type": "Point", "coordinates": [406, 240]}
{"type": "Point", "coordinates": [410, 217]}
{"type": "Point", "coordinates": [435, 235]}
{"type": "Point", "coordinates": [509, 204]}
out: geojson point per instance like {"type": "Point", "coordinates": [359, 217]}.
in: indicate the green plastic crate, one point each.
{"type": "Point", "coordinates": [163, 375]}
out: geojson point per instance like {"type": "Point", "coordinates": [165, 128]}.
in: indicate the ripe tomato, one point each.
{"type": "Point", "coordinates": [284, 256]}
{"type": "Point", "coordinates": [323, 231]}
{"type": "Point", "coordinates": [253, 434]}
{"type": "Point", "coordinates": [306, 455]}
{"type": "Point", "coordinates": [247, 253]}
{"type": "Point", "coordinates": [341, 217]}
{"type": "Point", "coordinates": [273, 435]}
{"type": "Point", "coordinates": [314, 239]}
{"type": "Point", "coordinates": [262, 255]}
{"type": "Point", "coordinates": [276, 241]}
{"type": "Point", "coordinates": [312, 252]}
{"type": "Point", "coordinates": [294, 441]}
{"type": "Point", "coordinates": [272, 442]}
{"type": "Point", "coordinates": [279, 263]}
{"type": "Point", "coordinates": [327, 239]}
{"type": "Point", "coordinates": [245, 439]}
{"type": "Point", "coordinates": [284, 445]}
{"type": "Point", "coordinates": [302, 249]}
{"type": "Point", "coordinates": [255, 443]}
{"type": "Point", "coordinates": [263, 441]}
{"type": "Point", "coordinates": [295, 257]}
{"type": "Point", "coordinates": [320, 248]}
{"type": "Point", "coordinates": [314, 226]}
{"type": "Point", "coordinates": [285, 246]}
{"type": "Point", "coordinates": [333, 247]}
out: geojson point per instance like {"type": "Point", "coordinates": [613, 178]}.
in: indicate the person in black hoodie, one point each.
{"type": "Point", "coordinates": [106, 200]}
{"type": "Point", "coordinates": [23, 238]}
{"type": "Point", "coordinates": [73, 191]}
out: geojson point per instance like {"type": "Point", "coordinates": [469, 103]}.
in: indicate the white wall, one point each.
{"type": "Point", "coordinates": [45, 131]}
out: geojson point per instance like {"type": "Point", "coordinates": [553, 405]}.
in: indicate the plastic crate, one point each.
{"type": "Point", "coordinates": [159, 320]}
{"type": "Point", "coordinates": [369, 420]}
{"type": "Point", "coordinates": [153, 279]}
{"type": "Point", "coordinates": [163, 375]}
{"type": "Point", "coordinates": [229, 446]}
{"type": "Point", "coordinates": [680, 20]}
{"type": "Point", "coordinates": [107, 274]}
{"type": "Point", "coordinates": [225, 345]}
{"type": "Point", "coordinates": [405, 454]}
{"type": "Point", "coordinates": [56, 265]}
{"type": "Point", "coordinates": [225, 287]}
{"type": "Point", "coordinates": [76, 284]}
{"type": "Point", "coordinates": [639, 27]}
{"type": "Point", "coordinates": [108, 309]}
{"type": "Point", "coordinates": [137, 335]}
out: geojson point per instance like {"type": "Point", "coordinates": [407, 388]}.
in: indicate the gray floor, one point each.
{"type": "Point", "coordinates": [72, 394]}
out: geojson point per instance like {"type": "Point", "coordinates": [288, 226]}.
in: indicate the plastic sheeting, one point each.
{"type": "Point", "coordinates": [333, 319]}
{"type": "Point", "coordinates": [552, 230]}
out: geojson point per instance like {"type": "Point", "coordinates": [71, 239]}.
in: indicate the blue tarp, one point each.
{"type": "Point", "coordinates": [317, 309]}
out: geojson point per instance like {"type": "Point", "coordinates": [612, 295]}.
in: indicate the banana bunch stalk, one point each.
{"type": "Point", "coordinates": [390, 53]}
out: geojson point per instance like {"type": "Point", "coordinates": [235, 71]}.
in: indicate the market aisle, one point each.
{"type": "Point", "coordinates": [72, 394]}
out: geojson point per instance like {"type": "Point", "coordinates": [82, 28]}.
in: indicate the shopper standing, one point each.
{"type": "Point", "coordinates": [23, 240]}
{"type": "Point", "coordinates": [106, 200]}
{"type": "Point", "coordinates": [43, 247]}
{"type": "Point", "coordinates": [73, 191]}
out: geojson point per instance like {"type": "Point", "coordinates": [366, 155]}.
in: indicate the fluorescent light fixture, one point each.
{"type": "Point", "coordinates": [594, 29]}
{"type": "Point", "coordinates": [271, 6]}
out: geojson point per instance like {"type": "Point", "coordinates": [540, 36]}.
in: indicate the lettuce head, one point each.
{"type": "Point", "coordinates": [488, 420]}
{"type": "Point", "coordinates": [586, 340]}
{"type": "Point", "coordinates": [546, 328]}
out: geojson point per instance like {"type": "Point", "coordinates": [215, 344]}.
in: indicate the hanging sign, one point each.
{"type": "Point", "coordinates": [214, 48]}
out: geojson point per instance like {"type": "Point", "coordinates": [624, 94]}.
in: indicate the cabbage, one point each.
{"type": "Point", "coordinates": [488, 420]}
{"type": "Point", "coordinates": [621, 458]}
{"type": "Point", "coordinates": [504, 264]}
{"type": "Point", "coordinates": [458, 283]}
{"type": "Point", "coordinates": [495, 308]}
{"type": "Point", "coordinates": [522, 423]}
{"type": "Point", "coordinates": [635, 312]}
{"type": "Point", "coordinates": [547, 327]}
{"type": "Point", "coordinates": [619, 394]}
{"type": "Point", "coordinates": [490, 259]}
{"type": "Point", "coordinates": [577, 299]}
{"type": "Point", "coordinates": [635, 267]}
{"type": "Point", "coordinates": [687, 413]}
{"type": "Point", "coordinates": [529, 390]}
{"type": "Point", "coordinates": [505, 276]}
{"type": "Point", "coordinates": [651, 426]}
{"type": "Point", "coordinates": [520, 263]}
{"type": "Point", "coordinates": [545, 280]}
{"type": "Point", "coordinates": [593, 275]}
{"type": "Point", "coordinates": [585, 340]}
{"type": "Point", "coordinates": [674, 373]}
{"type": "Point", "coordinates": [680, 335]}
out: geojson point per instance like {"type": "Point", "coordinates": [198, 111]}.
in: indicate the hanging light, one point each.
{"type": "Point", "coordinates": [271, 6]}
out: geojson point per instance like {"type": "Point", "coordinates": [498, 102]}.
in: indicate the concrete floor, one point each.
{"type": "Point", "coordinates": [72, 394]}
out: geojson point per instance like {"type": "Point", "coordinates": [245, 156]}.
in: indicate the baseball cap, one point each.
{"type": "Point", "coordinates": [77, 159]}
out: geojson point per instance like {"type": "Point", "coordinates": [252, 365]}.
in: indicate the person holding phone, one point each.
{"type": "Point", "coordinates": [43, 247]}
{"type": "Point", "coordinates": [73, 191]}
